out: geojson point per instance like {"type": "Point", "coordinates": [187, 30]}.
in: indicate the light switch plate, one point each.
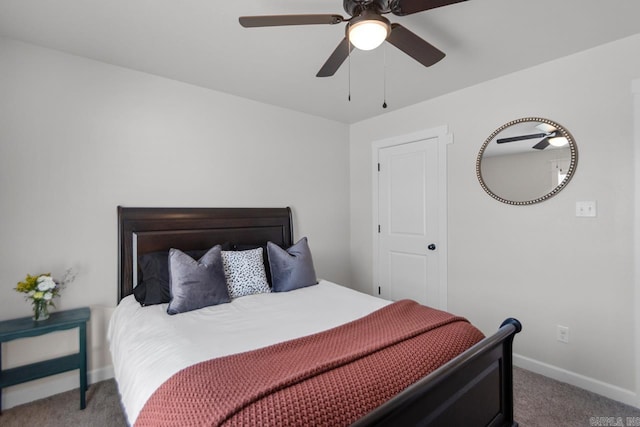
{"type": "Point", "coordinates": [586, 209]}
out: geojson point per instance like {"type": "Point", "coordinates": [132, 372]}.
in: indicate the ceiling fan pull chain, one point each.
{"type": "Point", "coordinates": [384, 77]}
{"type": "Point", "coordinates": [349, 50]}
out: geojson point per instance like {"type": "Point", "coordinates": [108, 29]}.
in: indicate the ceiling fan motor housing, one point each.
{"type": "Point", "coordinates": [355, 7]}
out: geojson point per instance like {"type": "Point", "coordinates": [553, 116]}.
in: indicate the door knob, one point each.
{"type": "Point", "coordinates": [431, 247]}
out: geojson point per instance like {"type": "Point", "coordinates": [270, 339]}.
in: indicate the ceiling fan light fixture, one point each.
{"type": "Point", "coordinates": [558, 141]}
{"type": "Point", "coordinates": [368, 30]}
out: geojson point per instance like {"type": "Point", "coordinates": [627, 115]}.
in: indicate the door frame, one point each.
{"type": "Point", "coordinates": [444, 138]}
{"type": "Point", "coordinates": [635, 90]}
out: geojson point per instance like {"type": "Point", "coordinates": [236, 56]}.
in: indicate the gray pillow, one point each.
{"type": "Point", "coordinates": [153, 287]}
{"type": "Point", "coordinates": [196, 284]}
{"type": "Point", "coordinates": [291, 268]}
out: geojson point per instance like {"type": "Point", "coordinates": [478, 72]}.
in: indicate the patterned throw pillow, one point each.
{"type": "Point", "coordinates": [244, 271]}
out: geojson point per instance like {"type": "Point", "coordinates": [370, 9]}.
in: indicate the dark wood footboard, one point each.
{"type": "Point", "coordinates": [473, 389]}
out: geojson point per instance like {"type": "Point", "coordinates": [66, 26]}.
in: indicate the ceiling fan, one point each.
{"type": "Point", "coordinates": [366, 29]}
{"type": "Point", "coordinates": [549, 135]}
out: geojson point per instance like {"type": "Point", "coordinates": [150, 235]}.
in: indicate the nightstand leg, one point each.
{"type": "Point", "coordinates": [83, 364]}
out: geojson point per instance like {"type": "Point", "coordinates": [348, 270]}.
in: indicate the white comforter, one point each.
{"type": "Point", "coordinates": [148, 346]}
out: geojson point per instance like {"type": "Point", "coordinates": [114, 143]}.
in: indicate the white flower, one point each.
{"type": "Point", "coordinates": [31, 293]}
{"type": "Point", "coordinates": [45, 283]}
{"type": "Point", "coordinates": [48, 296]}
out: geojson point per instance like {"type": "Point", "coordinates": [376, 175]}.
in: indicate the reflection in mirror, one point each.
{"type": "Point", "coordinates": [526, 161]}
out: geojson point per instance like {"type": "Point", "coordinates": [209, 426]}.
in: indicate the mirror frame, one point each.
{"type": "Point", "coordinates": [572, 164]}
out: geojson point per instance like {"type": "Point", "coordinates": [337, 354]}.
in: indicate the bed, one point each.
{"type": "Point", "coordinates": [157, 356]}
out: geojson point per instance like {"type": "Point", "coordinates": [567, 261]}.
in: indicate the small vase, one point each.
{"type": "Point", "coordinates": [40, 310]}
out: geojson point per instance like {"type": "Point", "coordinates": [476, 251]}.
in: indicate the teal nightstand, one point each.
{"type": "Point", "coordinates": [58, 321]}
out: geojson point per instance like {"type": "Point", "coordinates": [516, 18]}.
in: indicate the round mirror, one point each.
{"type": "Point", "coordinates": [526, 161]}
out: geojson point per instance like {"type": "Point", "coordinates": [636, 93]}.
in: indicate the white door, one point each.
{"type": "Point", "coordinates": [408, 222]}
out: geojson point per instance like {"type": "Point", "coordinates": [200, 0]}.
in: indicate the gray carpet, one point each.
{"type": "Point", "coordinates": [542, 402]}
{"type": "Point", "coordinates": [63, 410]}
{"type": "Point", "coordinates": [539, 402]}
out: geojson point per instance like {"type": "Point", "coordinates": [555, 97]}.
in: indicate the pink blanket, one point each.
{"type": "Point", "coordinates": [327, 379]}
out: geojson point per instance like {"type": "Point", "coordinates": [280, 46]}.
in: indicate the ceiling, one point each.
{"type": "Point", "coordinates": [200, 42]}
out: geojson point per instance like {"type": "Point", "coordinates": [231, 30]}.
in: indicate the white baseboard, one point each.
{"type": "Point", "coordinates": [45, 387]}
{"type": "Point", "coordinates": [596, 386]}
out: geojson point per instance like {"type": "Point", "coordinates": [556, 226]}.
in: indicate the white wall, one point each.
{"type": "Point", "coordinates": [538, 263]}
{"type": "Point", "coordinates": [79, 137]}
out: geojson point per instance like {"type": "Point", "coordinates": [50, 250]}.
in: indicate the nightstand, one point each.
{"type": "Point", "coordinates": [58, 321]}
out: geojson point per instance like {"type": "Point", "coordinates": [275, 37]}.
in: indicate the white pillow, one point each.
{"type": "Point", "coordinates": [244, 271]}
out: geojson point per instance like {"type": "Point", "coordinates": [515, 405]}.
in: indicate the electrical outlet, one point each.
{"type": "Point", "coordinates": [562, 334]}
{"type": "Point", "coordinates": [587, 209]}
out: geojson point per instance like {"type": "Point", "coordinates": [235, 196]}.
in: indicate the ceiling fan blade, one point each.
{"type": "Point", "coordinates": [521, 138]}
{"type": "Point", "coordinates": [414, 46]}
{"type": "Point", "coordinates": [336, 59]}
{"type": "Point", "coordinates": [407, 7]}
{"type": "Point", "coordinates": [279, 20]}
{"type": "Point", "coordinates": [542, 144]}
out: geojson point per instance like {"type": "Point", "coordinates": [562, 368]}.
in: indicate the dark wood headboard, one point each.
{"type": "Point", "coordinates": [144, 230]}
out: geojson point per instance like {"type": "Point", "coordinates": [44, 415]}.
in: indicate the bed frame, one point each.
{"type": "Point", "coordinates": [473, 389]}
